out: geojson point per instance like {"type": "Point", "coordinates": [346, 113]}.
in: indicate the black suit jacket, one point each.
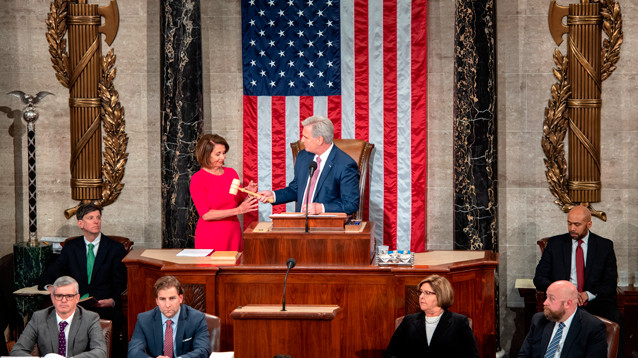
{"type": "Point", "coordinates": [109, 273]}
{"type": "Point", "coordinates": [452, 338]}
{"type": "Point", "coordinates": [337, 187]}
{"type": "Point", "coordinates": [191, 338]}
{"type": "Point", "coordinates": [600, 265]}
{"type": "Point", "coordinates": [586, 337]}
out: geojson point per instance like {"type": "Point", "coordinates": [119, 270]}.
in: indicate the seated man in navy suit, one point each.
{"type": "Point", "coordinates": [563, 329]}
{"type": "Point", "coordinates": [171, 329]}
{"type": "Point", "coordinates": [95, 262]}
{"type": "Point", "coordinates": [334, 186]}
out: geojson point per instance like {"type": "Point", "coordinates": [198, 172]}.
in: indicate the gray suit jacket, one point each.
{"type": "Point", "coordinates": [86, 339]}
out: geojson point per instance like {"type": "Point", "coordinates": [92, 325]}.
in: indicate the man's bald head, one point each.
{"type": "Point", "coordinates": [578, 222]}
{"type": "Point", "coordinates": [561, 302]}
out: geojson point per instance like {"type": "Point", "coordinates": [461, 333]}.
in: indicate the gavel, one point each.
{"type": "Point", "coordinates": [234, 187]}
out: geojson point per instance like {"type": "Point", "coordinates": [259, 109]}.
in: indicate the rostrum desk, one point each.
{"type": "Point", "coordinates": [371, 297]}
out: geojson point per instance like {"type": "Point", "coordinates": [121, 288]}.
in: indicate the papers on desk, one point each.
{"type": "Point", "coordinates": [218, 355]}
{"type": "Point", "coordinates": [195, 253]}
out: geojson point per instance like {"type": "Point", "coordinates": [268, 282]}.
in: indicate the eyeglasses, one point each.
{"type": "Point", "coordinates": [424, 292]}
{"type": "Point", "coordinates": [68, 297]}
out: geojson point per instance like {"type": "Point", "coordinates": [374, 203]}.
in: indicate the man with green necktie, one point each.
{"type": "Point", "coordinates": [95, 261]}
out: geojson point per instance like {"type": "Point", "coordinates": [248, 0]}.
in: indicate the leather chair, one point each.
{"type": "Point", "coordinates": [613, 336]}
{"type": "Point", "coordinates": [107, 330]}
{"type": "Point", "coordinates": [214, 330]}
{"type": "Point", "coordinates": [360, 151]}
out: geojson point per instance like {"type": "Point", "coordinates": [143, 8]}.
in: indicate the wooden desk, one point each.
{"type": "Point", "coordinates": [371, 297]}
{"type": "Point", "coordinates": [309, 248]}
{"type": "Point", "coordinates": [310, 331]}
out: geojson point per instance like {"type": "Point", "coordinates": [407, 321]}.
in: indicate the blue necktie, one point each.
{"type": "Point", "coordinates": [553, 345]}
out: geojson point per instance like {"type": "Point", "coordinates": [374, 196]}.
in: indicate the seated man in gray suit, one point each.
{"type": "Point", "coordinates": [65, 329]}
{"type": "Point", "coordinates": [171, 329]}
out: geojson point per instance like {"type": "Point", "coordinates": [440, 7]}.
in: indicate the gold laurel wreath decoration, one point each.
{"type": "Point", "coordinates": [554, 131]}
{"type": "Point", "coordinates": [111, 111]}
{"type": "Point", "coordinates": [56, 28]}
{"type": "Point", "coordinates": [556, 122]}
{"type": "Point", "coordinates": [612, 27]}
{"type": "Point", "coordinates": [115, 138]}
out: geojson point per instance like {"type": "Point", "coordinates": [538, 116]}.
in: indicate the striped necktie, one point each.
{"type": "Point", "coordinates": [553, 345]}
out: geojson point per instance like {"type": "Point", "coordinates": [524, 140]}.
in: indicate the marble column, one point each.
{"type": "Point", "coordinates": [181, 116]}
{"type": "Point", "coordinates": [475, 176]}
{"type": "Point", "coordinates": [29, 263]}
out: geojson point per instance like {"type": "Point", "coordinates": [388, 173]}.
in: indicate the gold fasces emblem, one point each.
{"type": "Point", "coordinates": [94, 103]}
{"type": "Point", "coordinates": [575, 102]}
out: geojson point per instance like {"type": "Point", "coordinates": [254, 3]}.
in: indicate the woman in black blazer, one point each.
{"type": "Point", "coordinates": [434, 332]}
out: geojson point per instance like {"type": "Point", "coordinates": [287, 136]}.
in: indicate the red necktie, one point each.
{"type": "Point", "coordinates": [168, 339]}
{"type": "Point", "coordinates": [313, 182]}
{"type": "Point", "coordinates": [580, 267]}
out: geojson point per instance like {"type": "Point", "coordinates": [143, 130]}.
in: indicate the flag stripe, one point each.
{"type": "Point", "coordinates": [279, 147]}
{"type": "Point", "coordinates": [419, 136]}
{"type": "Point", "coordinates": [361, 76]}
{"type": "Point", "coordinates": [377, 122]}
{"type": "Point", "coordinates": [249, 168]}
{"type": "Point", "coordinates": [334, 113]}
{"type": "Point", "coordinates": [404, 87]}
{"type": "Point", "coordinates": [292, 135]}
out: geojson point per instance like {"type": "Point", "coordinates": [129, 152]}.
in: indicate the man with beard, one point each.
{"type": "Point", "coordinates": [564, 329]}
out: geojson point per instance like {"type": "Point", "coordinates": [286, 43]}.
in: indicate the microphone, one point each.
{"type": "Point", "coordinates": [290, 263]}
{"type": "Point", "coordinates": [312, 167]}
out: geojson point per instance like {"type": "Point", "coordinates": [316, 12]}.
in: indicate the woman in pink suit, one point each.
{"type": "Point", "coordinates": [218, 226]}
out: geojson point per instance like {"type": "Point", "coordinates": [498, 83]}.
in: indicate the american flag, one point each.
{"type": "Point", "coordinates": [361, 63]}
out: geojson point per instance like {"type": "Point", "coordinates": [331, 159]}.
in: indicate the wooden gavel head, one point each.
{"type": "Point", "coordinates": [234, 187]}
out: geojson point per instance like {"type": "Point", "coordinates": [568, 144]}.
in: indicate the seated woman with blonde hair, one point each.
{"type": "Point", "coordinates": [435, 331]}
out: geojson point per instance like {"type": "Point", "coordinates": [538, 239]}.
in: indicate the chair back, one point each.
{"type": "Point", "coordinates": [360, 151]}
{"type": "Point", "coordinates": [542, 243]}
{"type": "Point", "coordinates": [107, 330]}
{"type": "Point", "coordinates": [613, 336]}
{"type": "Point", "coordinates": [214, 330]}
{"type": "Point", "coordinates": [125, 241]}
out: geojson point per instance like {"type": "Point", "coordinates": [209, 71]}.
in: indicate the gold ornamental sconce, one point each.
{"type": "Point", "coordinates": [94, 103]}
{"type": "Point", "coordinates": [575, 104]}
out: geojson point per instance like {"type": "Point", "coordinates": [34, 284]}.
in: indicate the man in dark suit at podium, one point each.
{"type": "Point", "coordinates": [171, 329]}
{"type": "Point", "coordinates": [95, 262]}
{"type": "Point", "coordinates": [334, 186]}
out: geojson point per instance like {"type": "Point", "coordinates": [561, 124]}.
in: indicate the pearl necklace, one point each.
{"type": "Point", "coordinates": [433, 320]}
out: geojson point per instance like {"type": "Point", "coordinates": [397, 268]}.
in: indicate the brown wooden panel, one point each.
{"type": "Point", "coordinates": [311, 248]}
{"type": "Point", "coordinates": [257, 336]}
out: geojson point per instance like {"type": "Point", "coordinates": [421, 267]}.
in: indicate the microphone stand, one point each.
{"type": "Point", "coordinates": [290, 263]}
{"type": "Point", "coordinates": [312, 167]}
